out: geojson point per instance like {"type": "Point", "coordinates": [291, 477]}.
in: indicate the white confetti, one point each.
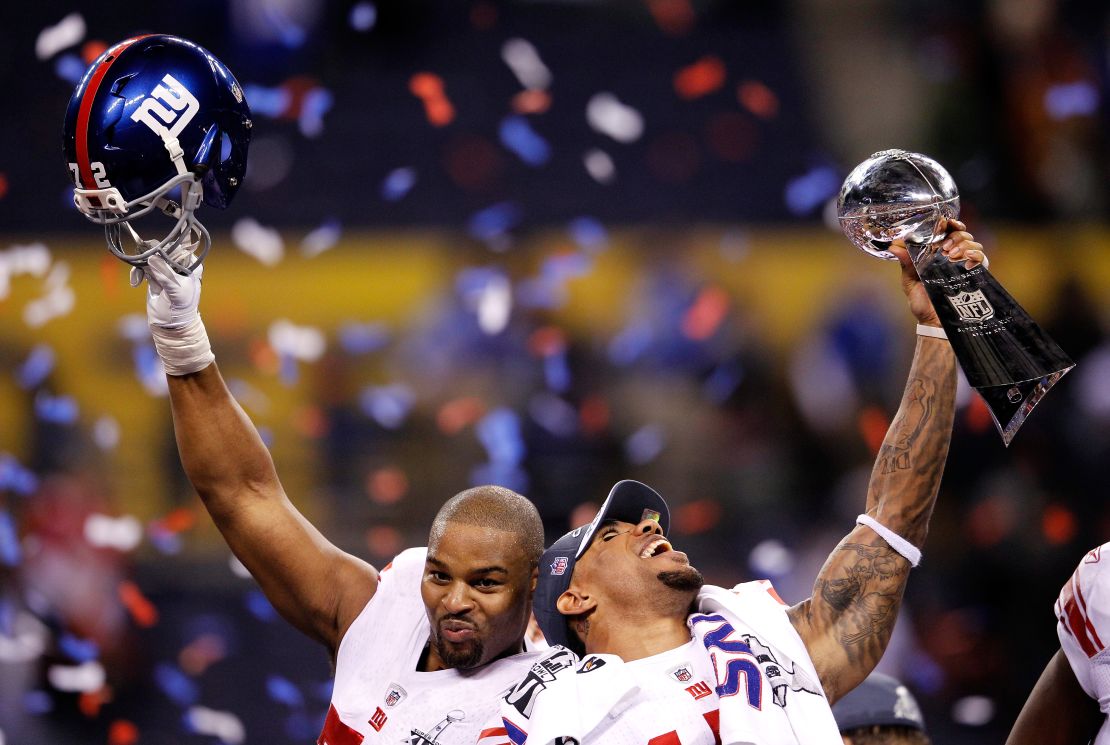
{"type": "Point", "coordinates": [608, 115]}
{"type": "Point", "coordinates": [121, 533]}
{"type": "Point", "coordinates": [105, 433]}
{"type": "Point", "coordinates": [84, 678]}
{"type": "Point", "coordinates": [58, 300]}
{"type": "Point", "coordinates": [62, 35]}
{"type": "Point", "coordinates": [973, 711]}
{"type": "Point", "coordinates": [495, 304]}
{"type": "Point", "coordinates": [600, 166]}
{"type": "Point", "coordinates": [27, 641]}
{"type": "Point", "coordinates": [221, 724]}
{"type": "Point", "coordinates": [771, 558]}
{"type": "Point", "coordinates": [321, 239]}
{"type": "Point", "coordinates": [300, 342]}
{"type": "Point", "coordinates": [523, 59]}
{"type": "Point", "coordinates": [254, 239]}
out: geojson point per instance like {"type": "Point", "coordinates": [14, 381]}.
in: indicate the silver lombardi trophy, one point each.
{"type": "Point", "coordinates": [1004, 354]}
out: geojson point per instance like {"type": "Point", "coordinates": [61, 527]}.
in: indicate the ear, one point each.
{"type": "Point", "coordinates": [534, 580]}
{"type": "Point", "coordinates": [574, 602]}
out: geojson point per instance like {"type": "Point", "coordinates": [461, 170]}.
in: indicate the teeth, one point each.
{"type": "Point", "coordinates": [650, 548]}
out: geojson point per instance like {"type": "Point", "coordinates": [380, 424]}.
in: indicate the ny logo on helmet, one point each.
{"type": "Point", "coordinates": [182, 107]}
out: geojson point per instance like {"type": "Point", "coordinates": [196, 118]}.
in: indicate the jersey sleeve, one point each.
{"type": "Point", "coordinates": [1083, 623]}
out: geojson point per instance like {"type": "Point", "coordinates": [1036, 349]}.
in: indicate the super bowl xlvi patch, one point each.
{"type": "Point", "coordinates": [559, 566]}
{"type": "Point", "coordinates": [681, 673]}
{"type": "Point", "coordinates": [523, 696]}
{"type": "Point", "coordinates": [394, 695]}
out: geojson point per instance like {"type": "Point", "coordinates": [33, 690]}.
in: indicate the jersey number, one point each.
{"type": "Point", "coordinates": [731, 658]}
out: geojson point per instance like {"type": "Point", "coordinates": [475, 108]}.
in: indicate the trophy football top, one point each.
{"type": "Point", "coordinates": [896, 194]}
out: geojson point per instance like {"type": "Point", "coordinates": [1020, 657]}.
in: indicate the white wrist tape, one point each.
{"type": "Point", "coordinates": [183, 350]}
{"type": "Point", "coordinates": [923, 330]}
{"type": "Point", "coordinates": [911, 552]}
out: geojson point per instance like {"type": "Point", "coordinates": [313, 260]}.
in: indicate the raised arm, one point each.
{"type": "Point", "coordinates": [314, 585]}
{"type": "Point", "coordinates": [847, 622]}
{"type": "Point", "coordinates": [1058, 711]}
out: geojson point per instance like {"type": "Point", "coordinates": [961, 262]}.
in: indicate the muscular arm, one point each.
{"type": "Point", "coordinates": [314, 585]}
{"type": "Point", "coordinates": [1057, 712]}
{"type": "Point", "coordinates": [847, 622]}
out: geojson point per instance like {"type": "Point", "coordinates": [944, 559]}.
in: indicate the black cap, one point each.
{"type": "Point", "coordinates": [628, 501]}
{"type": "Point", "coordinates": [879, 700]}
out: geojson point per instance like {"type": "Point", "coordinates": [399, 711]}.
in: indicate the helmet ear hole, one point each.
{"type": "Point", "coordinates": [225, 147]}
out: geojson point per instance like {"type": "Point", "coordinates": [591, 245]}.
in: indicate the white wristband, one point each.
{"type": "Point", "coordinates": [911, 552]}
{"type": "Point", "coordinates": [933, 331]}
{"type": "Point", "coordinates": [183, 350]}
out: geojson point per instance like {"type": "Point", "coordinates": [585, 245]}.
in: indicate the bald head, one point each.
{"type": "Point", "coordinates": [493, 507]}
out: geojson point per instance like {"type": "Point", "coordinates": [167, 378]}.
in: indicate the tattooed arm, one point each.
{"type": "Point", "coordinates": [847, 622]}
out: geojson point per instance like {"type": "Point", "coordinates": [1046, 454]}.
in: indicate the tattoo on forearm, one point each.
{"type": "Point", "coordinates": [865, 594]}
{"type": "Point", "coordinates": [911, 421]}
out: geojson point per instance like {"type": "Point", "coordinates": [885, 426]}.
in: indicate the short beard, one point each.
{"type": "Point", "coordinates": [462, 658]}
{"type": "Point", "coordinates": [683, 580]}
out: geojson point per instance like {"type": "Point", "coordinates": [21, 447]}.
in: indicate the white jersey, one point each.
{"type": "Point", "coordinates": [1083, 623]}
{"type": "Point", "coordinates": [744, 677]}
{"type": "Point", "coordinates": [380, 697]}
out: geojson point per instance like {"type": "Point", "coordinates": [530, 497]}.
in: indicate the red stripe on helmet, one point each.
{"type": "Point", "coordinates": [85, 110]}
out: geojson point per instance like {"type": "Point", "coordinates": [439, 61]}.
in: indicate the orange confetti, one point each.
{"type": "Point", "coordinates": [384, 540]}
{"type": "Point", "coordinates": [695, 517]}
{"type": "Point", "coordinates": [178, 520]}
{"type": "Point", "coordinates": [873, 424]}
{"type": "Point", "coordinates": [200, 653]}
{"type": "Point", "coordinates": [90, 702]}
{"type": "Point", "coordinates": [758, 99]}
{"type": "Point", "coordinates": [92, 49]}
{"type": "Point", "coordinates": [458, 413]}
{"type": "Point", "coordinates": [122, 732]}
{"type": "Point", "coordinates": [387, 485]}
{"type": "Point", "coordinates": [264, 357]}
{"type": "Point", "coordinates": [594, 415]}
{"type": "Point", "coordinates": [546, 341]}
{"type": "Point", "coordinates": [701, 78]}
{"type": "Point", "coordinates": [1058, 524]}
{"type": "Point", "coordinates": [674, 17]}
{"type": "Point", "coordinates": [428, 87]}
{"type": "Point", "coordinates": [142, 610]}
{"type": "Point", "coordinates": [705, 316]}
{"type": "Point", "coordinates": [310, 421]}
{"type": "Point", "coordinates": [531, 102]}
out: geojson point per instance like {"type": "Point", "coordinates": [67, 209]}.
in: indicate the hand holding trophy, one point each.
{"type": "Point", "coordinates": [1005, 356]}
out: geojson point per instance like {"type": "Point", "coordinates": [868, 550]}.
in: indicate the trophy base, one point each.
{"type": "Point", "coordinates": [1011, 404]}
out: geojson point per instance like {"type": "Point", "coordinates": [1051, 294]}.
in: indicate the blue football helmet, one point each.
{"type": "Point", "coordinates": [152, 115]}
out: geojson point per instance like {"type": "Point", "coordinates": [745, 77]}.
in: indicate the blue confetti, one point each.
{"type": "Point", "coordinates": [260, 607]}
{"type": "Point", "coordinates": [553, 414]}
{"type": "Point", "coordinates": [388, 405]}
{"type": "Point", "coordinates": [78, 650]}
{"type": "Point", "coordinates": [166, 541]}
{"type": "Point", "coordinates": [7, 617]}
{"type": "Point", "coordinates": [363, 338]}
{"type": "Point", "coordinates": [363, 16]}
{"type": "Point", "coordinates": [566, 266]}
{"type": "Point", "coordinates": [69, 68]}
{"type": "Point", "coordinates": [37, 702]}
{"type": "Point", "coordinates": [10, 554]}
{"type": "Point", "coordinates": [588, 233]}
{"type": "Point", "coordinates": [317, 102]}
{"type": "Point", "coordinates": [627, 346]}
{"type": "Point", "coordinates": [518, 136]}
{"type": "Point", "coordinates": [38, 365]}
{"type": "Point", "coordinates": [283, 691]}
{"type": "Point", "coordinates": [290, 34]}
{"type": "Point", "coordinates": [500, 474]}
{"type": "Point", "coordinates": [398, 183]}
{"type": "Point", "coordinates": [493, 222]}
{"type": "Point", "coordinates": [722, 382]}
{"type": "Point", "coordinates": [16, 478]}
{"type": "Point", "coordinates": [271, 102]}
{"type": "Point", "coordinates": [55, 409]}
{"type": "Point", "coordinates": [177, 686]}
{"type": "Point", "coordinates": [499, 433]}
{"type": "Point", "coordinates": [556, 372]}
{"type": "Point", "coordinates": [288, 371]}
{"type": "Point", "coordinates": [808, 191]}
{"type": "Point", "coordinates": [645, 444]}
{"type": "Point", "coordinates": [1065, 100]}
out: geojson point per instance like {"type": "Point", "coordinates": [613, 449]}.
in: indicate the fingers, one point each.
{"type": "Point", "coordinates": [962, 246]}
{"type": "Point", "coordinates": [136, 276]}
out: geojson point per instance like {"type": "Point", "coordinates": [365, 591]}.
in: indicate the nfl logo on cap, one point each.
{"type": "Point", "coordinates": [559, 565]}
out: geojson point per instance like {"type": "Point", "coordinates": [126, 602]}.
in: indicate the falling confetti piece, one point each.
{"type": "Point", "coordinates": [387, 485]}
{"type": "Point", "coordinates": [39, 363]}
{"type": "Point", "coordinates": [699, 516]}
{"type": "Point", "coordinates": [253, 239]}
{"type": "Point", "coordinates": [606, 114]}
{"type": "Point", "coordinates": [90, 702]}
{"type": "Point", "coordinates": [388, 405]}
{"type": "Point", "coordinates": [705, 316]}
{"type": "Point", "coordinates": [142, 610]}
{"type": "Point", "coordinates": [65, 33]}
{"type": "Point", "coordinates": [674, 17]}
{"type": "Point", "coordinates": [397, 184]}
{"type": "Point", "coordinates": [363, 338]}
{"type": "Point", "coordinates": [122, 732]}
{"type": "Point", "coordinates": [78, 650]}
{"type": "Point", "coordinates": [10, 553]}
{"type": "Point", "coordinates": [600, 166]}
{"type": "Point", "coordinates": [758, 99]}
{"type": "Point", "coordinates": [459, 413]}
{"type": "Point", "coordinates": [305, 343]}
{"type": "Point", "coordinates": [119, 533]}
{"type": "Point", "coordinates": [322, 238]}
{"type": "Point", "coordinates": [363, 16]}
{"type": "Point", "coordinates": [86, 677]}
{"type": "Point", "coordinates": [645, 444]}
{"type": "Point", "coordinates": [428, 87]}
{"type": "Point", "coordinates": [518, 136]}
{"type": "Point", "coordinates": [199, 654]}
{"type": "Point", "coordinates": [222, 724]}
{"type": "Point", "coordinates": [283, 691]}
{"type": "Point", "coordinates": [553, 414]}
{"type": "Point", "coordinates": [56, 409]}
{"type": "Point", "coordinates": [700, 79]}
{"type": "Point", "coordinates": [531, 102]}
{"type": "Point", "coordinates": [523, 59]}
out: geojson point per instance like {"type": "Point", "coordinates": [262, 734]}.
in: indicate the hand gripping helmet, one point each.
{"type": "Point", "coordinates": [152, 115]}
